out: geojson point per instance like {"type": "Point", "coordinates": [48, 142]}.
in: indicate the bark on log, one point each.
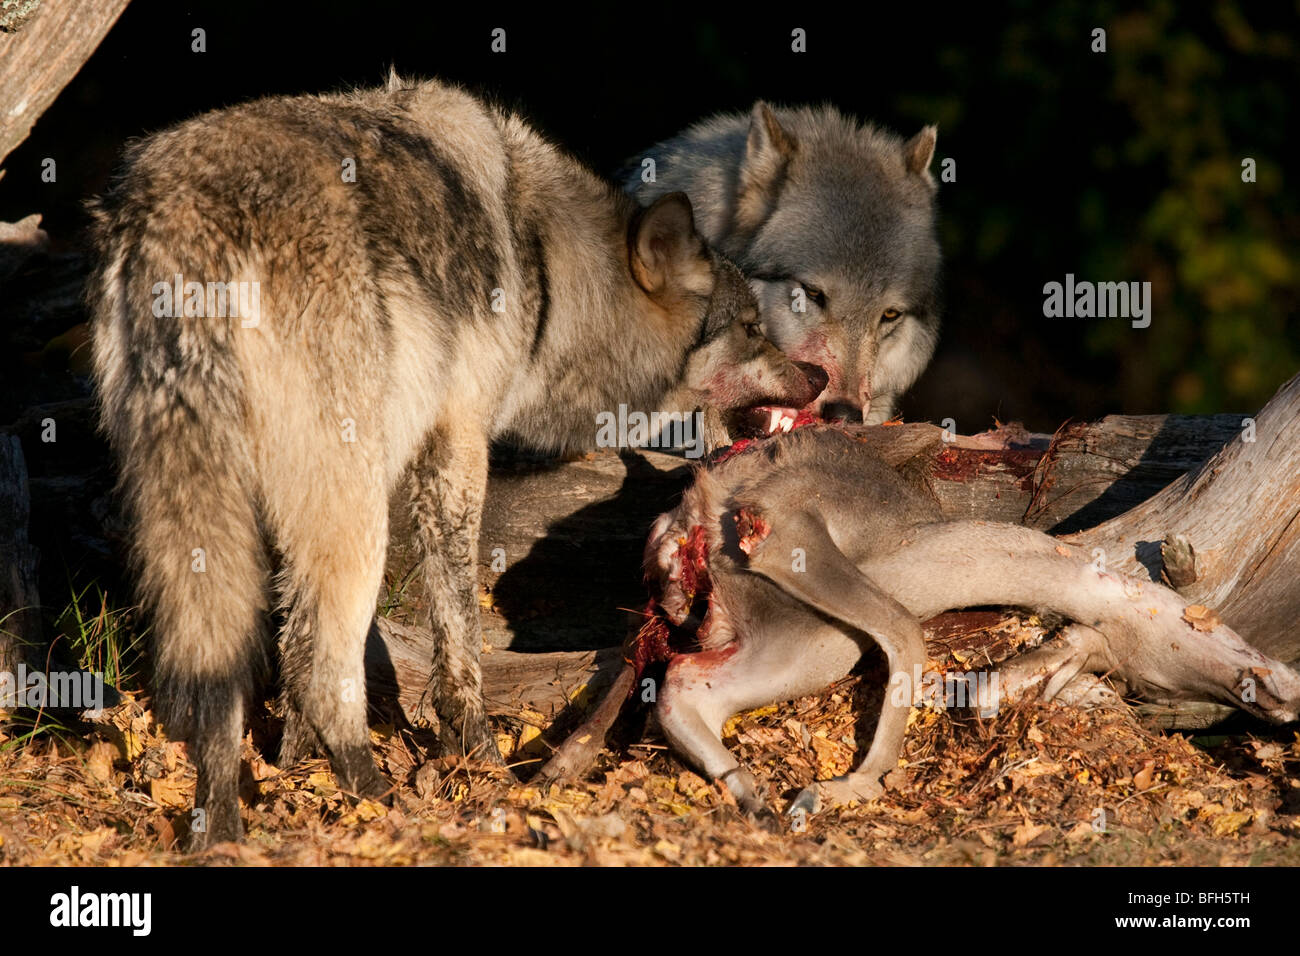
{"type": "Point", "coordinates": [42, 55]}
{"type": "Point", "coordinates": [571, 534]}
{"type": "Point", "coordinates": [1240, 513]}
{"type": "Point", "coordinates": [560, 549]}
{"type": "Point", "coordinates": [1097, 471]}
{"type": "Point", "coordinates": [397, 668]}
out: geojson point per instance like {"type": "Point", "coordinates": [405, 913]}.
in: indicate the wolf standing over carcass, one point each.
{"type": "Point", "coordinates": [401, 275]}
{"type": "Point", "coordinates": [833, 223]}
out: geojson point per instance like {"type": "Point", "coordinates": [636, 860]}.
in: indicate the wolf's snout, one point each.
{"type": "Point", "coordinates": [842, 411]}
{"type": "Point", "coordinates": [816, 376]}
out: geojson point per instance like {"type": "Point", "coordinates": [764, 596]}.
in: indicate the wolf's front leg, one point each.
{"type": "Point", "coordinates": [448, 485]}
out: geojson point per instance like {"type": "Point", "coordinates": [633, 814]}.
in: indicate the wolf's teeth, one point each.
{"type": "Point", "coordinates": [787, 423]}
{"type": "Point", "coordinates": [773, 420]}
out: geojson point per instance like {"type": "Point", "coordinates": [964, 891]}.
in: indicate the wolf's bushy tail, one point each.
{"type": "Point", "coordinates": [172, 406]}
{"type": "Point", "coordinates": [202, 565]}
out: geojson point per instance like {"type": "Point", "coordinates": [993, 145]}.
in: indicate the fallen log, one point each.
{"type": "Point", "coordinates": [41, 53]}
{"type": "Point", "coordinates": [562, 543]}
{"type": "Point", "coordinates": [560, 549]}
{"type": "Point", "coordinates": [1231, 528]}
{"type": "Point", "coordinates": [397, 669]}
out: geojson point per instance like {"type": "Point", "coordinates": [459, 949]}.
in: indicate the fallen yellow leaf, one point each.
{"type": "Point", "coordinates": [99, 761]}
{"type": "Point", "coordinates": [1027, 833]}
{"type": "Point", "coordinates": [669, 851]}
{"type": "Point", "coordinates": [368, 810]}
{"type": "Point", "coordinates": [833, 758]}
{"type": "Point", "coordinates": [1226, 823]}
{"type": "Point", "coordinates": [1146, 776]}
{"type": "Point", "coordinates": [1201, 617]}
{"type": "Point", "coordinates": [1079, 832]}
{"type": "Point", "coordinates": [168, 792]}
{"type": "Point", "coordinates": [322, 780]}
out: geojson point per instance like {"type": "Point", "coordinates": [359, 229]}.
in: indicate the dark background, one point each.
{"type": "Point", "coordinates": [1114, 166]}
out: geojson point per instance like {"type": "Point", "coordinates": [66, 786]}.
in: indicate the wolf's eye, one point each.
{"type": "Point", "coordinates": [815, 294]}
{"type": "Point", "coordinates": [889, 315]}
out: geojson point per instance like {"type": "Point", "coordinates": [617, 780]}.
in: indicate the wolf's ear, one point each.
{"type": "Point", "coordinates": [666, 253]}
{"type": "Point", "coordinates": [919, 150]}
{"type": "Point", "coordinates": [768, 149]}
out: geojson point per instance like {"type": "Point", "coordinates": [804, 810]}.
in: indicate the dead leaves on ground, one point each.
{"type": "Point", "coordinates": [1033, 784]}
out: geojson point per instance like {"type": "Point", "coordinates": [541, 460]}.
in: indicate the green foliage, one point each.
{"type": "Point", "coordinates": [1137, 153]}
{"type": "Point", "coordinates": [1222, 248]}
{"type": "Point", "coordinates": [101, 639]}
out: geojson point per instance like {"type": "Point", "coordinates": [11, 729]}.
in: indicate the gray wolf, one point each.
{"type": "Point", "coordinates": [401, 276]}
{"type": "Point", "coordinates": [782, 579]}
{"type": "Point", "coordinates": [833, 222]}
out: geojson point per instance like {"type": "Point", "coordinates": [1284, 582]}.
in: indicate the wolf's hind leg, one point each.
{"type": "Point", "coordinates": [214, 748]}
{"type": "Point", "coordinates": [334, 541]}
{"type": "Point", "coordinates": [449, 482]}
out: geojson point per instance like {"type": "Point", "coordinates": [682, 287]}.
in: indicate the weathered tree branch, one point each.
{"type": "Point", "coordinates": [42, 55]}
{"type": "Point", "coordinates": [1240, 514]}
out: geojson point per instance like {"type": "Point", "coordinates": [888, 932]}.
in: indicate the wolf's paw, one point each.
{"type": "Point", "coordinates": [207, 829]}
{"type": "Point", "coordinates": [378, 788]}
{"type": "Point", "coordinates": [475, 741]}
{"type": "Point", "coordinates": [354, 766]}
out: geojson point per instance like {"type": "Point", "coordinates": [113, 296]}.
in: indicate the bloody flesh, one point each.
{"type": "Point", "coordinates": [654, 641]}
{"type": "Point", "coordinates": [658, 639]}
